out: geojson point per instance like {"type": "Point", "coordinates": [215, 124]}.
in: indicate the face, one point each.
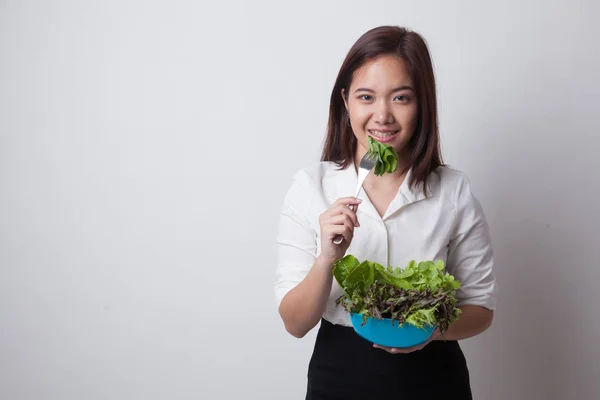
{"type": "Point", "coordinates": [382, 103]}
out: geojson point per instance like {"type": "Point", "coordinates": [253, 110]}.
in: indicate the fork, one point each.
{"type": "Point", "coordinates": [366, 165]}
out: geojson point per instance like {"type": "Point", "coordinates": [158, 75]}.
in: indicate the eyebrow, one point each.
{"type": "Point", "coordinates": [405, 87]}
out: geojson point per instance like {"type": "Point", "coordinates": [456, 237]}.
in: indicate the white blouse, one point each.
{"type": "Point", "coordinates": [448, 225]}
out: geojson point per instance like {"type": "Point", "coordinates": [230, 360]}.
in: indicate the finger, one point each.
{"type": "Point", "coordinates": [339, 226]}
{"type": "Point", "coordinates": [411, 349]}
{"type": "Point", "coordinates": [346, 201]}
{"type": "Point", "coordinates": [396, 350]}
{"type": "Point", "coordinates": [343, 230]}
{"type": "Point", "coordinates": [342, 208]}
{"type": "Point", "coordinates": [349, 212]}
{"type": "Point", "coordinates": [402, 351]}
{"type": "Point", "coordinates": [346, 211]}
{"type": "Point", "coordinates": [388, 349]}
{"type": "Point", "coordinates": [341, 219]}
{"type": "Point", "coordinates": [347, 232]}
{"type": "Point", "coordinates": [333, 215]}
{"type": "Point", "coordinates": [337, 208]}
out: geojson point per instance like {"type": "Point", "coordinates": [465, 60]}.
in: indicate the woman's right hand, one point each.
{"type": "Point", "coordinates": [338, 219]}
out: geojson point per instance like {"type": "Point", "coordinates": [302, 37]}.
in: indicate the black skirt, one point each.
{"type": "Point", "coordinates": [345, 366]}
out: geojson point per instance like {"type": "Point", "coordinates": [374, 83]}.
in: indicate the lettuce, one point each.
{"type": "Point", "coordinates": [386, 156]}
{"type": "Point", "coordinates": [421, 294]}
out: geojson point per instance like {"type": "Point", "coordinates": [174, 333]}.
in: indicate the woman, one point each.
{"type": "Point", "coordinates": [423, 211]}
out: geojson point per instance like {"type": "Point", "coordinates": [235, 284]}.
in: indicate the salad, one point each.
{"type": "Point", "coordinates": [386, 157]}
{"type": "Point", "coordinates": [421, 294]}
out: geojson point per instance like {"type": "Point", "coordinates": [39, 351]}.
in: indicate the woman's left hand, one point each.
{"type": "Point", "coordinates": [394, 350]}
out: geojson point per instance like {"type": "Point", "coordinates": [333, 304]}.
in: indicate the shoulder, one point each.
{"type": "Point", "coordinates": [313, 179]}
{"type": "Point", "coordinates": [450, 177]}
{"type": "Point", "coordinates": [451, 183]}
{"type": "Point", "coordinates": [317, 172]}
{"type": "Point", "coordinates": [323, 176]}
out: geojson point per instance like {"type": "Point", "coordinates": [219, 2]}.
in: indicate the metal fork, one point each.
{"type": "Point", "coordinates": [366, 165]}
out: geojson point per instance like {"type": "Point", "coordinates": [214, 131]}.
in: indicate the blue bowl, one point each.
{"type": "Point", "coordinates": [383, 333]}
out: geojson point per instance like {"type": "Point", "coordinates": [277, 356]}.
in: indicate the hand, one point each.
{"type": "Point", "coordinates": [339, 219]}
{"type": "Point", "coordinates": [394, 350]}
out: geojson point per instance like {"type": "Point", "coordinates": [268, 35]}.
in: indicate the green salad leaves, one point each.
{"type": "Point", "coordinates": [420, 294]}
{"type": "Point", "coordinates": [386, 156]}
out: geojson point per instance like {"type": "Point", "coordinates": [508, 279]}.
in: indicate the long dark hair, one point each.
{"type": "Point", "coordinates": [424, 146]}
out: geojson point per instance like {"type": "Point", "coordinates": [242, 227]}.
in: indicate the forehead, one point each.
{"type": "Point", "coordinates": [381, 72]}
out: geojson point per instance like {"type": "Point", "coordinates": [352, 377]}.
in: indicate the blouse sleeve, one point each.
{"type": "Point", "coordinates": [470, 257]}
{"type": "Point", "coordinates": [296, 238]}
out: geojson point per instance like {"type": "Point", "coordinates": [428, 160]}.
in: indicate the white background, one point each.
{"type": "Point", "coordinates": [145, 148]}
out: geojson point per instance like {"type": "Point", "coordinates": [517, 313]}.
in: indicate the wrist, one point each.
{"type": "Point", "coordinates": [325, 262]}
{"type": "Point", "coordinates": [437, 335]}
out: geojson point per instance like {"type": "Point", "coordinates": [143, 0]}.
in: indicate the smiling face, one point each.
{"type": "Point", "coordinates": [382, 103]}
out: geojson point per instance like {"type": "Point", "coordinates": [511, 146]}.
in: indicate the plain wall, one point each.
{"type": "Point", "coordinates": [145, 148]}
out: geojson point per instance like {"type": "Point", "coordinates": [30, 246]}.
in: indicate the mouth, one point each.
{"type": "Point", "coordinates": [383, 136]}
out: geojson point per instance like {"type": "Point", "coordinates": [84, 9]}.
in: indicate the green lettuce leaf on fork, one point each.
{"type": "Point", "coordinates": [386, 157]}
{"type": "Point", "coordinates": [420, 294]}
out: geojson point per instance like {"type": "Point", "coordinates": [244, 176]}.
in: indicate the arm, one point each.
{"type": "Point", "coordinates": [472, 321]}
{"type": "Point", "coordinates": [471, 261]}
{"type": "Point", "coordinates": [302, 307]}
{"type": "Point", "coordinates": [304, 279]}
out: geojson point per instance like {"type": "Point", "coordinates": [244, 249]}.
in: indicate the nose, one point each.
{"type": "Point", "coordinates": [383, 114]}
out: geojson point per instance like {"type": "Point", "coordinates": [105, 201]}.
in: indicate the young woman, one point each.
{"type": "Point", "coordinates": [424, 211]}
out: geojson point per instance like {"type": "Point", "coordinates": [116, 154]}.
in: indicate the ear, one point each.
{"type": "Point", "coordinates": [343, 93]}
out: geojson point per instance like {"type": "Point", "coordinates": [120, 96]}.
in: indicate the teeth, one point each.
{"type": "Point", "coordinates": [382, 134]}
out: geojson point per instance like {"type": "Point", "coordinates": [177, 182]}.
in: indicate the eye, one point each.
{"type": "Point", "coordinates": [402, 98]}
{"type": "Point", "coordinates": [365, 97]}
